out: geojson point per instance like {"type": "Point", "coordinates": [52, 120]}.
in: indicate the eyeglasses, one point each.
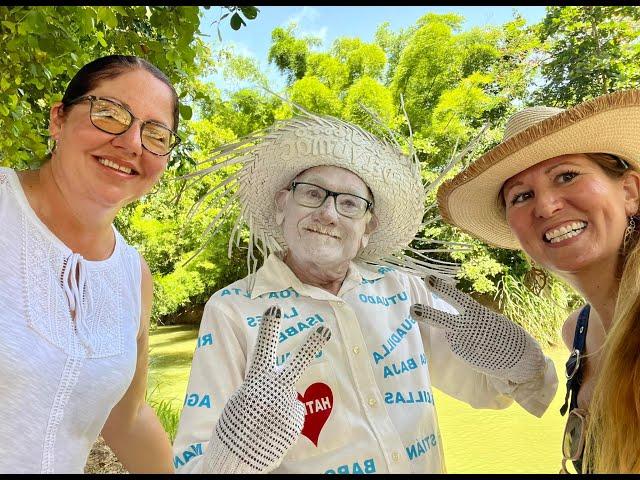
{"type": "Point", "coordinates": [574, 437]}
{"type": "Point", "coordinates": [347, 204]}
{"type": "Point", "coordinates": [111, 117]}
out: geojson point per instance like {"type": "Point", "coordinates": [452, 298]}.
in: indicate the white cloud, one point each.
{"type": "Point", "coordinates": [309, 13]}
{"type": "Point", "coordinates": [306, 21]}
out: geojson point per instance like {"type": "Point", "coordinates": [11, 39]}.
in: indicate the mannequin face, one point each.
{"type": "Point", "coordinates": [321, 235]}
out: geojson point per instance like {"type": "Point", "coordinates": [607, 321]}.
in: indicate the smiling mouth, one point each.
{"type": "Point", "coordinates": [116, 167]}
{"type": "Point", "coordinates": [322, 232]}
{"type": "Point", "coordinates": [565, 232]}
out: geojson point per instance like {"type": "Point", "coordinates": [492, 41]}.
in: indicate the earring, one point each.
{"type": "Point", "coordinates": [632, 226]}
{"type": "Point", "coordinates": [51, 145]}
{"type": "Point", "coordinates": [536, 279]}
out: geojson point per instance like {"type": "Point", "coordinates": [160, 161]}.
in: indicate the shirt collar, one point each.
{"type": "Point", "coordinates": [275, 276]}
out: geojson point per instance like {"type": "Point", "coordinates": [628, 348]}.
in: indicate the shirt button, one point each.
{"type": "Point", "coordinates": [372, 402]}
{"type": "Point", "coordinates": [356, 349]}
{"type": "Point", "coordinates": [395, 456]}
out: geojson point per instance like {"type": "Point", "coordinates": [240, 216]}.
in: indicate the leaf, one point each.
{"type": "Point", "coordinates": [8, 24]}
{"type": "Point", "coordinates": [106, 15]}
{"type": "Point", "coordinates": [237, 21]}
{"type": "Point", "coordinates": [250, 12]}
{"type": "Point", "coordinates": [186, 112]}
{"type": "Point", "coordinates": [100, 37]}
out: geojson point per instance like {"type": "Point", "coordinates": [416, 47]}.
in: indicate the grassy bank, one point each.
{"type": "Point", "coordinates": [475, 441]}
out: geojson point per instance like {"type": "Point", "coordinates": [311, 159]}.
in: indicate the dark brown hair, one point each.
{"type": "Point", "coordinates": [111, 66]}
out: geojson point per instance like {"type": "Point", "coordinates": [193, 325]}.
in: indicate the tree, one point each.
{"type": "Point", "coordinates": [43, 47]}
{"type": "Point", "coordinates": [361, 59]}
{"type": "Point", "coordinates": [590, 51]}
{"type": "Point", "coordinates": [290, 53]}
{"type": "Point", "coordinates": [393, 43]}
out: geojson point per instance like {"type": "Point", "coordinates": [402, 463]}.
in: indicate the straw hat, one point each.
{"type": "Point", "coordinates": [302, 143]}
{"type": "Point", "coordinates": [271, 159]}
{"type": "Point", "coordinates": [472, 200]}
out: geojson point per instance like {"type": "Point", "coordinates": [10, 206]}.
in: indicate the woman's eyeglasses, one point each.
{"type": "Point", "coordinates": [111, 117]}
{"type": "Point", "coordinates": [574, 437]}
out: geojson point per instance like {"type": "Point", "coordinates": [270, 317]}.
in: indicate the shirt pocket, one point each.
{"type": "Point", "coordinates": [325, 426]}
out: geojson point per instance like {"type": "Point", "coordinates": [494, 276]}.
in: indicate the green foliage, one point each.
{"type": "Point", "coordinates": [393, 44]}
{"type": "Point", "coordinates": [361, 59]}
{"type": "Point", "coordinates": [43, 47]}
{"type": "Point", "coordinates": [238, 15]}
{"type": "Point", "coordinates": [329, 70]}
{"type": "Point", "coordinates": [244, 68]}
{"type": "Point", "coordinates": [290, 53]}
{"type": "Point", "coordinates": [541, 315]}
{"type": "Point", "coordinates": [310, 93]}
{"type": "Point", "coordinates": [590, 50]}
{"type": "Point", "coordinates": [375, 97]}
{"type": "Point", "coordinates": [168, 415]}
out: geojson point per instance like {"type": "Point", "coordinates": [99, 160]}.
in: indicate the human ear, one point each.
{"type": "Point", "coordinates": [371, 226]}
{"type": "Point", "coordinates": [56, 119]}
{"type": "Point", "coordinates": [631, 187]}
{"type": "Point", "coordinates": [281, 201]}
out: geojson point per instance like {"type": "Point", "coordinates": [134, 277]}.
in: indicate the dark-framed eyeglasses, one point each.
{"type": "Point", "coordinates": [111, 117]}
{"type": "Point", "coordinates": [347, 204]}
{"type": "Point", "coordinates": [574, 436]}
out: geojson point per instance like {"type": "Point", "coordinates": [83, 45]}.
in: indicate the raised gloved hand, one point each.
{"type": "Point", "coordinates": [489, 342]}
{"type": "Point", "coordinates": [264, 417]}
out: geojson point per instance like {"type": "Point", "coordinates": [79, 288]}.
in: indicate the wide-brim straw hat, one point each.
{"type": "Point", "coordinates": [472, 200]}
{"type": "Point", "coordinates": [302, 143]}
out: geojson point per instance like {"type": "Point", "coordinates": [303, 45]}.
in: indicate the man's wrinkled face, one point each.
{"type": "Point", "coordinates": [321, 235]}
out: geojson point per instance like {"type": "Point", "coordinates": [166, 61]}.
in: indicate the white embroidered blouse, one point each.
{"type": "Point", "coordinates": [60, 374]}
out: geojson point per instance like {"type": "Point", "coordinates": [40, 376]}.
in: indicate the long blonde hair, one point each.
{"type": "Point", "coordinates": [613, 433]}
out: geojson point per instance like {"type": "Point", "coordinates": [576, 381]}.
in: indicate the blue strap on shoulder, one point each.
{"type": "Point", "coordinates": [573, 367]}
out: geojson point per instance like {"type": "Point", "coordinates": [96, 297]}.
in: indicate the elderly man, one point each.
{"type": "Point", "coordinates": [328, 200]}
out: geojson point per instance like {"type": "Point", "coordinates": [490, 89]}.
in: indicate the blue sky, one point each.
{"type": "Point", "coordinates": [329, 23]}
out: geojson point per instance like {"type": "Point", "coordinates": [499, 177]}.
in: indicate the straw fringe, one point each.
{"type": "Point", "coordinates": [245, 151]}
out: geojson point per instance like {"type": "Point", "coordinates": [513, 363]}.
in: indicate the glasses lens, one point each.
{"type": "Point", "coordinates": [109, 116]}
{"type": "Point", "coordinates": [350, 205]}
{"type": "Point", "coordinates": [309, 195]}
{"type": "Point", "coordinates": [157, 138]}
{"type": "Point", "coordinates": [573, 432]}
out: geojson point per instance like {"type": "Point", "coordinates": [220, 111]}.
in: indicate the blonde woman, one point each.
{"type": "Point", "coordinates": [564, 187]}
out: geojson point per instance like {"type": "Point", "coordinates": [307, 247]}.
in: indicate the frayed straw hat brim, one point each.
{"type": "Point", "coordinates": [472, 199]}
{"type": "Point", "coordinates": [300, 144]}
{"type": "Point", "coordinates": [270, 159]}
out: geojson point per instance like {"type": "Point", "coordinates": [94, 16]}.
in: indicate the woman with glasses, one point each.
{"type": "Point", "coordinates": [564, 187]}
{"type": "Point", "coordinates": [75, 299]}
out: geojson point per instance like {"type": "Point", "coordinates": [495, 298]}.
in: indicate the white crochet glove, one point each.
{"type": "Point", "coordinates": [264, 417]}
{"type": "Point", "coordinates": [490, 342]}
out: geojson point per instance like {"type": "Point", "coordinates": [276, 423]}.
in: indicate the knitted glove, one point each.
{"type": "Point", "coordinates": [264, 417]}
{"type": "Point", "coordinates": [491, 343]}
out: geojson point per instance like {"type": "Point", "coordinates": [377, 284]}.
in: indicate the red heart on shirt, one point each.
{"type": "Point", "coordinates": [318, 402]}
